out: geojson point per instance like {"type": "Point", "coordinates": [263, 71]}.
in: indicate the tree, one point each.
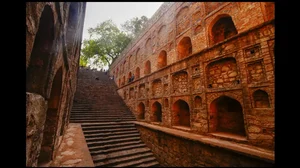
{"type": "Point", "coordinates": [83, 61]}
{"type": "Point", "coordinates": [105, 44]}
{"type": "Point", "coordinates": [134, 26]}
{"type": "Point", "coordinates": [106, 41]}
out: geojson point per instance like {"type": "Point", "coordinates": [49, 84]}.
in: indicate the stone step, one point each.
{"type": "Point", "coordinates": [115, 141]}
{"type": "Point", "coordinates": [111, 146]}
{"type": "Point", "coordinates": [101, 160]}
{"type": "Point", "coordinates": [100, 105]}
{"type": "Point", "coordinates": [93, 139]}
{"type": "Point", "coordinates": [110, 150]}
{"type": "Point", "coordinates": [100, 117]}
{"type": "Point", "coordinates": [102, 114]}
{"type": "Point", "coordinates": [101, 111]}
{"type": "Point", "coordinates": [111, 134]}
{"type": "Point", "coordinates": [121, 107]}
{"type": "Point", "coordinates": [119, 161]}
{"type": "Point", "coordinates": [87, 132]}
{"type": "Point", "coordinates": [88, 121]}
{"type": "Point", "coordinates": [148, 164]}
{"type": "Point", "coordinates": [136, 162]}
{"type": "Point", "coordinates": [106, 123]}
{"type": "Point", "coordinates": [107, 127]}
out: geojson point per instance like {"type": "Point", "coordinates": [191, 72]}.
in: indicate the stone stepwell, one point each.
{"type": "Point", "coordinates": [112, 138]}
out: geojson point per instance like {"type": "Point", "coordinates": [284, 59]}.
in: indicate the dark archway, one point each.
{"type": "Point", "coordinates": [181, 113]}
{"type": "Point", "coordinates": [226, 115]}
{"type": "Point", "coordinates": [141, 111]}
{"type": "Point", "coordinates": [147, 67]}
{"type": "Point", "coordinates": [162, 59]}
{"type": "Point", "coordinates": [156, 112]}
{"type": "Point", "coordinates": [184, 48]}
{"type": "Point", "coordinates": [224, 28]}
{"type": "Point", "coordinates": [129, 77]}
{"type": "Point", "coordinates": [166, 102]}
{"type": "Point", "coordinates": [137, 73]}
{"type": "Point", "coordinates": [137, 55]}
{"type": "Point", "coordinates": [123, 80]}
{"type": "Point", "coordinates": [261, 99]}
{"type": "Point", "coordinates": [198, 102]}
{"type": "Point", "coordinates": [37, 71]}
{"type": "Point", "coordinates": [51, 119]}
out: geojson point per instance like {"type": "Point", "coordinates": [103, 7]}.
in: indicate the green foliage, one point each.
{"type": "Point", "coordinates": [134, 26]}
{"type": "Point", "coordinates": [106, 41]}
{"type": "Point", "coordinates": [105, 44]}
{"type": "Point", "coordinates": [83, 61]}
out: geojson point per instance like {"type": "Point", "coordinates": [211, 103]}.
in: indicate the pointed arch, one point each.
{"type": "Point", "coordinates": [184, 47]}
{"type": "Point", "coordinates": [181, 113]}
{"type": "Point", "coordinates": [226, 115]}
{"type": "Point", "coordinates": [162, 59]}
{"type": "Point", "coordinates": [141, 111]}
{"type": "Point", "coordinates": [147, 67]}
{"type": "Point", "coordinates": [51, 122]}
{"type": "Point", "coordinates": [221, 28]}
{"type": "Point", "coordinates": [156, 115]}
{"type": "Point", "coordinates": [261, 99]}
{"type": "Point", "coordinates": [37, 71]}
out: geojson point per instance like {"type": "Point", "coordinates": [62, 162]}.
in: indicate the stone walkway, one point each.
{"type": "Point", "coordinates": [72, 154]}
{"type": "Point", "coordinates": [236, 147]}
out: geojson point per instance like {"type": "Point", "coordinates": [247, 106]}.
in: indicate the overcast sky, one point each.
{"type": "Point", "coordinates": [119, 12]}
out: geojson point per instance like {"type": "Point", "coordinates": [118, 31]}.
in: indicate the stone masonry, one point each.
{"type": "Point", "coordinates": [209, 66]}
{"type": "Point", "coordinates": [53, 41]}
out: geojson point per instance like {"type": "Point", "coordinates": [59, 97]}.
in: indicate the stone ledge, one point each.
{"type": "Point", "coordinates": [73, 151]}
{"type": "Point", "coordinates": [244, 149]}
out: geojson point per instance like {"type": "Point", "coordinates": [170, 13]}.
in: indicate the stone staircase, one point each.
{"type": "Point", "coordinates": [112, 139]}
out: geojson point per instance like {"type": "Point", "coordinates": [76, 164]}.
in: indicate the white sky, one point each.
{"type": "Point", "coordinates": [119, 12]}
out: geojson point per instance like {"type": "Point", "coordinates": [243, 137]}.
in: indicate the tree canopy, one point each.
{"type": "Point", "coordinates": [107, 41]}
{"type": "Point", "coordinates": [134, 26]}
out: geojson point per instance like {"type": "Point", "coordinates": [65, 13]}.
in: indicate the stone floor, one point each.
{"type": "Point", "coordinates": [72, 154]}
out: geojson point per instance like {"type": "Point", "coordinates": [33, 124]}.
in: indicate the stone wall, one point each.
{"type": "Point", "coordinates": [237, 67]}
{"type": "Point", "coordinates": [174, 151]}
{"type": "Point", "coordinates": [53, 41]}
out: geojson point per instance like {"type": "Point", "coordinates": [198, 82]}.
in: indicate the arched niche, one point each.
{"type": "Point", "coordinates": [38, 69]}
{"type": "Point", "coordinates": [181, 113]}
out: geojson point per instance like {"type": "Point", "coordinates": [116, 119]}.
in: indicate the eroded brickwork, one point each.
{"type": "Point", "coordinates": [219, 72]}
{"type": "Point", "coordinates": [53, 40]}
{"type": "Point", "coordinates": [222, 74]}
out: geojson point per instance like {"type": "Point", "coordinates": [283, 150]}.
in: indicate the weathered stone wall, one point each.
{"type": "Point", "coordinates": [174, 151]}
{"type": "Point", "coordinates": [53, 41]}
{"type": "Point", "coordinates": [236, 67]}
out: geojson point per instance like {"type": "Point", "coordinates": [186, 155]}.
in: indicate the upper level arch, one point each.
{"type": "Point", "coordinates": [184, 47]}
{"type": "Point", "coordinates": [222, 27]}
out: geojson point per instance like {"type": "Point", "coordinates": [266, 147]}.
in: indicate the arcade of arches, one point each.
{"type": "Point", "coordinates": [213, 74]}
{"type": "Point", "coordinates": [50, 75]}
